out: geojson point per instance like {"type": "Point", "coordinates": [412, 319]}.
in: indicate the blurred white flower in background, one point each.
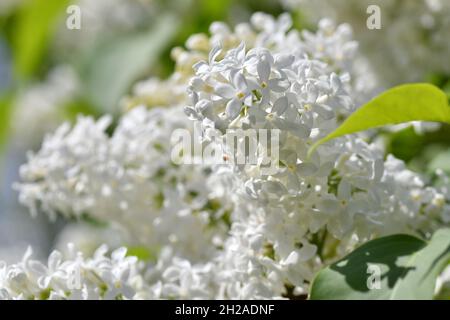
{"type": "Point", "coordinates": [86, 237]}
{"type": "Point", "coordinates": [6, 6]}
{"type": "Point", "coordinates": [5, 67]}
{"type": "Point", "coordinates": [40, 106]}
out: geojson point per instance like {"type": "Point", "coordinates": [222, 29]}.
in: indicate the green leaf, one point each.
{"type": "Point", "coordinates": [35, 24]}
{"type": "Point", "coordinates": [428, 263]}
{"type": "Point", "coordinates": [409, 268]}
{"type": "Point", "coordinates": [109, 72]}
{"type": "Point", "coordinates": [404, 103]}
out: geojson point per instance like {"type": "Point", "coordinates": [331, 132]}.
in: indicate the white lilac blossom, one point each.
{"type": "Point", "coordinates": [331, 44]}
{"type": "Point", "coordinates": [173, 277]}
{"type": "Point", "coordinates": [87, 237]}
{"type": "Point", "coordinates": [128, 181]}
{"type": "Point", "coordinates": [313, 208]}
{"type": "Point", "coordinates": [40, 108]}
{"type": "Point", "coordinates": [75, 278]}
{"type": "Point", "coordinates": [411, 44]}
{"type": "Point", "coordinates": [443, 283]}
{"type": "Point", "coordinates": [105, 275]}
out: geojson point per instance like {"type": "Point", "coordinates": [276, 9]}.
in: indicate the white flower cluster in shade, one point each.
{"type": "Point", "coordinates": [232, 232]}
{"type": "Point", "coordinates": [127, 180]}
{"type": "Point", "coordinates": [74, 278]}
{"type": "Point", "coordinates": [411, 44]}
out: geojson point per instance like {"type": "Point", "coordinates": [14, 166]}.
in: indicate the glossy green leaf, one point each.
{"type": "Point", "coordinates": [408, 269]}
{"type": "Point", "coordinates": [405, 103]}
{"type": "Point", "coordinates": [35, 25]}
{"type": "Point", "coordinates": [109, 72]}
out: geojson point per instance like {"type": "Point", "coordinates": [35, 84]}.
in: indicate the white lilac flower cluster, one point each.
{"type": "Point", "coordinates": [412, 41]}
{"type": "Point", "coordinates": [40, 108]}
{"type": "Point", "coordinates": [234, 232]}
{"type": "Point", "coordinates": [127, 180]}
{"type": "Point", "coordinates": [74, 278]}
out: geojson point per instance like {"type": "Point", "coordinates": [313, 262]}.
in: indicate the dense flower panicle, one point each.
{"type": "Point", "coordinates": [74, 278]}
{"type": "Point", "coordinates": [127, 180]}
{"type": "Point", "coordinates": [411, 44]}
{"type": "Point", "coordinates": [224, 231]}
{"type": "Point", "coordinates": [39, 109]}
{"type": "Point", "coordinates": [87, 237]}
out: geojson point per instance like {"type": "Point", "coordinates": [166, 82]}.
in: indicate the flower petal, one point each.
{"type": "Point", "coordinates": [233, 108]}
{"type": "Point", "coordinates": [225, 91]}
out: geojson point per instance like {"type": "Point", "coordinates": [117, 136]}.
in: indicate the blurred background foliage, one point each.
{"type": "Point", "coordinates": [113, 50]}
